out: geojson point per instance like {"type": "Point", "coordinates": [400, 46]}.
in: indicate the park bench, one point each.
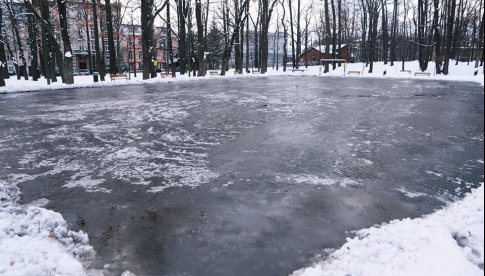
{"type": "Point", "coordinates": [113, 77]}
{"type": "Point", "coordinates": [214, 73]}
{"type": "Point", "coordinates": [237, 73]}
{"type": "Point", "coordinates": [422, 74]}
{"type": "Point", "coordinates": [353, 73]}
{"type": "Point", "coordinates": [165, 74]}
{"type": "Point", "coordinates": [406, 71]}
{"type": "Point", "coordinates": [256, 72]}
{"type": "Point", "coordinates": [297, 70]}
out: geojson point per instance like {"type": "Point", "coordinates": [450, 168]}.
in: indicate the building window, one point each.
{"type": "Point", "coordinates": [106, 45]}
{"type": "Point", "coordinates": [140, 55]}
{"type": "Point", "coordinates": [139, 42]}
{"type": "Point", "coordinates": [81, 45]}
{"type": "Point", "coordinates": [130, 55]}
{"type": "Point", "coordinates": [93, 46]}
{"type": "Point", "coordinates": [91, 31]}
{"type": "Point", "coordinates": [79, 15]}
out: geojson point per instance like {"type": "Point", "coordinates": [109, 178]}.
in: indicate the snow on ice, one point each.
{"type": "Point", "coordinates": [447, 242]}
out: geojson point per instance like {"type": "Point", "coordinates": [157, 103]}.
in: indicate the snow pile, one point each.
{"type": "Point", "coordinates": [36, 241]}
{"type": "Point", "coordinates": [448, 242]}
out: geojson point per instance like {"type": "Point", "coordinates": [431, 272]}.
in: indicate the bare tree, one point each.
{"type": "Point", "coordinates": [34, 63]}
{"type": "Point", "coordinates": [285, 37]}
{"type": "Point", "coordinates": [99, 59]}
{"type": "Point", "coordinates": [3, 59]}
{"type": "Point", "coordinates": [479, 51]}
{"type": "Point", "coordinates": [18, 40]}
{"type": "Point", "coordinates": [200, 39]}
{"type": "Point", "coordinates": [239, 19]}
{"type": "Point", "coordinates": [266, 12]}
{"type": "Point", "coordinates": [67, 69]}
{"type": "Point", "coordinates": [111, 40]}
{"type": "Point", "coordinates": [450, 14]}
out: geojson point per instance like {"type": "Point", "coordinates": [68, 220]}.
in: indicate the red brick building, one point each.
{"type": "Point", "coordinates": [313, 55]}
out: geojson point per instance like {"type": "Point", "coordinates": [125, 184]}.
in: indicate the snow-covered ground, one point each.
{"type": "Point", "coordinates": [36, 241]}
{"type": "Point", "coordinates": [460, 72]}
{"type": "Point", "coordinates": [447, 242]}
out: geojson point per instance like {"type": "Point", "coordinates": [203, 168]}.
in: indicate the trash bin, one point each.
{"type": "Point", "coordinates": [95, 76]}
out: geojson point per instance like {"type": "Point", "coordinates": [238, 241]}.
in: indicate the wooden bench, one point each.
{"type": "Point", "coordinates": [214, 73]}
{"type": "Point", "coordinates": [353, 73]}
{"type": "Point", "coordinates": [406, 71]}
{"type": "Point", "coordinates": [297, 70]}
{"type": "Point", "coordinates": [165, 74]}
{"type": "Point", "coordinates": [113, 77]}
{"type": "Point", "coordinates": [237, 73]}
{"type": "Point", "coordinates": [422, 74]}
{"type": "Point", "coordinates": [255, 72]}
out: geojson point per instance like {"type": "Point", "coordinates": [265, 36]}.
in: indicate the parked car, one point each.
{"type": "Point", "coordinates": [81, 72]}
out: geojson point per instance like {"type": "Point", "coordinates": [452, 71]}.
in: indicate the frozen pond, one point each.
{"type": "Point", "coordinates": [241, 176]}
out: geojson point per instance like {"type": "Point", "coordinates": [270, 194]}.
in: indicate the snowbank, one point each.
{"type": "Point", "coordinates": [448, 242]}
{"type": "Point", "coordinates": [36, 241]}
{"type": "Point", "coordinates": [460, 72]}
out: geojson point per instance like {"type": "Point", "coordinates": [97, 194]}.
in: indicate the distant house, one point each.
{"type": "Point", "coordinates": [313, 55]}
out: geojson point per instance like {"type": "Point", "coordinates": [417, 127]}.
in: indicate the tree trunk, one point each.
{"type": "Point", "coordinates": [45, 42]}
{"type": "Point", "coordinates": [449, 35]}
{"type": "Point", "coordinates": [437, 37]}
{"type": "Point", "coordinates": [298, 32]}
{"type": "Point", "coordinates": [479, 51]}
{"type": "Point", "coordinates": [34, 64]}
{"type": "Point", "coordinates": [247, 41]}
{"type": "Point", "coordinates": [334, 34]}
{"type": "Point", "coordinates": [88, 38]}
{"type": "Point", "coordinates": [182, 35]}
{"type": "Point", "coordinates": [169, 42]}
{"type": "Point", "coordinates": [111, 41]}
{"type": "Point", "coordinates": [327, 34]}
{"type": "Point", "coordinates": [422, 21]}
{"type": "Point", "coordinates": [385, 33]}
{"type": "Point", "coordinates": [15, 30]}
{"type": "Point", "coordinates": [339, 39]}
{"type": "Point", "coordinates": [99, 59]}
{"type": "Point", "coordinates": [200, 39]}
{"type": "Point", "coordinates": [67, 67]}
{"type": "Point", "coordinates": [285, 45]}
{"type": "Point", "coordinates": [293, 56]}
{"type": "Point", "coordinates": [394, 31]}
{"type": "Point", "coordinates": [147, 37]}
{"type": "Point", "coordinates": [3, 58]}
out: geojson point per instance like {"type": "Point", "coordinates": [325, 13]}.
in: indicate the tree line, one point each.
{"type": "Point", "coordinates": [215, 33]}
